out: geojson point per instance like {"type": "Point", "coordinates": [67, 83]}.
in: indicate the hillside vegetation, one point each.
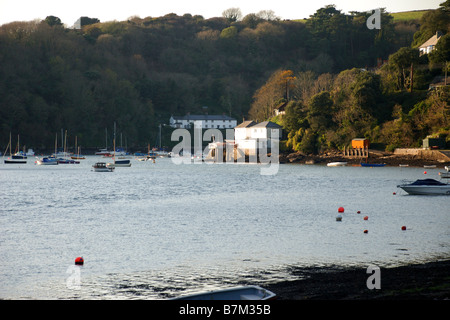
{"type": "Point", "coordinates": [139, 72]}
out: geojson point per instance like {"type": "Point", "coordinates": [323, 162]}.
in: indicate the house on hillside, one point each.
{"type": "Point", "coordinates": [280, 109]}
{"type": "Point", "coordinates": [207, 121]}
{"type": "Point", "coordinates": [430, 44]}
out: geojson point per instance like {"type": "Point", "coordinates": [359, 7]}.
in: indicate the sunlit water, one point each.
{"type": "Point", "coordinates": [156, 230]}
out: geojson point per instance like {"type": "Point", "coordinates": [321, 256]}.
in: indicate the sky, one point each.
{"type": "Point", "coordinates": [110, 10]}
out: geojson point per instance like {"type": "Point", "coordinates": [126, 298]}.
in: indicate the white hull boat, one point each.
{"type": "Point", "coordinates": [337, 164]}
{"type": "Point", "coordinates": [235, 293]}
{"type": "Point", "coordinates": [426, 187]}
{"type": "Point", "coordinates": [46, 161]}
{"type": "Point", "coordinates": [101, 167]}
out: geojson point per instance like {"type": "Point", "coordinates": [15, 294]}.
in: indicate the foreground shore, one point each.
{"type": "Point", "coordinates": [429, 281]}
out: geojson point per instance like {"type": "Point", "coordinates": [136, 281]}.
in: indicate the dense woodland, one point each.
{"type": "Point", "coordinates": [340, 80]}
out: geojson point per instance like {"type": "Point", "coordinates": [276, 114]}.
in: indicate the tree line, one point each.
{"type": "Point", "coordinates": [139, 72]}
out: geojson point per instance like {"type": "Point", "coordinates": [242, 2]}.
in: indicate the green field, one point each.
{"type": "Point", "coordinates": [408, 15]}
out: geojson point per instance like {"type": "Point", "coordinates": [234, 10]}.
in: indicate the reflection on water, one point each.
{"type": "Point", "coordinates": [159, 230]}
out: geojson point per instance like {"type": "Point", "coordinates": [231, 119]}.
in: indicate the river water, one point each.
{"type": "Point", "coordinates": [157, 230]}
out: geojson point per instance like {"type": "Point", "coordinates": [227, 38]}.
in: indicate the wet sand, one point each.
{"type": "Point", "coordinates": [429, 281]}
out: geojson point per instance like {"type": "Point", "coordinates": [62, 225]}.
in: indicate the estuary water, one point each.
{"type": "Point", "coordinates": [157, 230]}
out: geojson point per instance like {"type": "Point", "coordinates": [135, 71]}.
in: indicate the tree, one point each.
{"type": "Point", "coordinates": [232, 14]}
{"type": "Point", "coordinates": [270, 94]}
{"type": "Point", "coordinates": [268, 15]}
{"type": "Point", "coordinates": [431, 22]}
{"type": "Point", "coordinates": [53, 21]}
{"type": "Point", "coordinates": [320, 111]}
{"type": "Point", "coordinates": [402, 61]}
{"type": "Point", "coordinates": [295, 116]}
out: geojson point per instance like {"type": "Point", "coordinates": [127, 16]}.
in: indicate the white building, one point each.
{"type": "Point", "coordinates": [251, 139]}
{"type": "Point", "coordinates": [251, 136]}
{"type": "Point", "coordinates": [207, 121]}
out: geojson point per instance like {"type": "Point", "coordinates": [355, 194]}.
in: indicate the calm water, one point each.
{"type": "Point", "coordinates": [156, 230]}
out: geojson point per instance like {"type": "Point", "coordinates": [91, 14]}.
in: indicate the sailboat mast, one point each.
{"type": "Point", "coordinates": [114, 142]}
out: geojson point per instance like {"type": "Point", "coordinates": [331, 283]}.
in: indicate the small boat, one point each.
{"type": "Point", "coordinates": [120, 163]}
{"type": "Point", "coordinates": [67, 161]}
{"type": "Point", "coordinates": [337, 164]}
{"type": "Point", "coordinates": [426, 187]}
{"type": "Point", "coordinates": [363, 164]}
{"type": "Point", "coordinates": [104, 152]}
{"type": "Point", "coordinates": [66, 155]}
{"type": "Point", "coordinates": [46, 161]}
{"type": "Point", "coordinates": [235, 293]}
{"type": "Point", "coordinates": [78, 156]}
{"type": "Point", "coordinates": [101, 167]}
{"type": "Point", "coordinates": [16, 158]}
{"type": "Point", "coordinates": [445, 175]}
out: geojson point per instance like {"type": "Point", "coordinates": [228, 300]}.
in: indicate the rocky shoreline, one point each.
{"type": "Point", "coordinates": [389, 159]}
{"type": "Point", "coordinates": [428, 281]}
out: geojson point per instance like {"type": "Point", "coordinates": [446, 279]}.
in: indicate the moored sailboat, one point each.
{"type": "Point", "coordinates": [15, 158]}
{"type": "Point", "coordinates": [120, 162]}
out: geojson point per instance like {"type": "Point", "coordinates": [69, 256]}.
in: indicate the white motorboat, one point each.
{"type": "Point", "coordinates": [426, 187]}
{"type": "Point", "coordinates": [235, 293]}
{"type": "Point", "coordinates": [119, 163]}
{"type": "Point", "coordinates": [337, 164]}
{"type": "Point", "coordinates": [101, 167]}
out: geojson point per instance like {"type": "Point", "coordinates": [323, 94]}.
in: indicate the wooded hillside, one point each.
{"type": "Point", "coordinates": [139, 72]}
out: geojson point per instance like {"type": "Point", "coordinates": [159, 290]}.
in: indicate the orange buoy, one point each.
{"type": "Point", "coordinates": [366, 218]}
{"type": "Point", "coordinates": [79, 261]}
{"type": "Point", "coordinates": [403, 228]}
{"type": "Point", "coordinates": [366, 231]}
{"type": "Point", "coordinates": [341, 209]}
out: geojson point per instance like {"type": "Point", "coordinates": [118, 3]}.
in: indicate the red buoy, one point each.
{"type": "Point", "coordinates": [424, 172]}
{"type": "Point", "coordinates": [366, 218]}
{"type": "Point", "coordinates": [366, 231]}
{"type": "Point", "coordinates": [358, 211]}
{"type": "Point", "coordinates": [79, 261]}
{"type": "Point", "coordinates": [404, 228]}
{"type": "Point", "coordinates": [341, 209]}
